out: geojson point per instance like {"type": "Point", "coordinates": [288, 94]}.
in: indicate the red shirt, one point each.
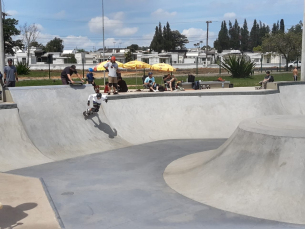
{"type": "Point", "coordinates": [106, 89]}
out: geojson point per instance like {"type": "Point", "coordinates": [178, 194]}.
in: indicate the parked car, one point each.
{"type": "Point", "coordinates": [294, 64]}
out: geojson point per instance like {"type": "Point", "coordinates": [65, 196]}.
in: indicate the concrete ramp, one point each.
{"type": "Point", "coordinates": [16, 148]}
{"type": "Point", "coordinates": [259, 171]}
{"type": "Point", "coordinates": [187, 116]}
{"type": "Point", "coordinates": [53, 120]}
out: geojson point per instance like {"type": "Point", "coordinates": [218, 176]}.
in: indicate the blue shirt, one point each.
{"type": "Point", "coordinates": [147, 79]}
{"type": "Point", "coordinates": [90, 76]}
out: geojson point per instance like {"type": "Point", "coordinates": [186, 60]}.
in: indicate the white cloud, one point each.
{"type": "Point", "coordinates": [60, 15]}
{"type": "Point", "coordinates": [229, 16]}
{"type": "Point", "coordinates": [12, 12]}
{"type": "Point", "coordinates": [71, 42]}
{"type": "Point", "coordinates": [40, 27]}
{"type": "Point", "coordinates": [115, 26]}
{"type": "Point", "coordinates": [119, 16]}
{"type": "Point", "coordinates": [163, 13]}
{"type": "Point", "coordinates": [126, 31]}
{"type": "Point", "coordinates": [195, 35]}
{"type": "Point", "coordinates": [96, 24]}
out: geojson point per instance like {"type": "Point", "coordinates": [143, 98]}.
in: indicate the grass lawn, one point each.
{"type": "Point", "coordinates": [247, 82]}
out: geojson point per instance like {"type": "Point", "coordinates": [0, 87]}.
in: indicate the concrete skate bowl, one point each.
{"type": "Point", "coordinates": [50, 123]}
{"type": "Point", "coordinates": [259, 171]}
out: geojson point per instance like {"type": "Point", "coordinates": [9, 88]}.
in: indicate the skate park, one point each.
{"type": "Point", "coordinates": [219, 158]}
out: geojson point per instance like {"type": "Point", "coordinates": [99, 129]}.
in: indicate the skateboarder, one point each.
{"type": "Point", "coordinates": [97, 100]}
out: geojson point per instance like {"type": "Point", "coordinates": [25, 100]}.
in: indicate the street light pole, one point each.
{"type": "Point", "coordinates": [2, 55]}
{"type": "Point", "coordinates": [303, 50]}
{"type": "Point", "coordinates": [103, 38]}
{"type": "Point", "coordinates": [206, 48]}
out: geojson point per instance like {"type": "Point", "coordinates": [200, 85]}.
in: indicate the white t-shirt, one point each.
{"type": "Point", "coordinates": [95, 100]}
{"type": "Point", "coordinates": [112, 67]}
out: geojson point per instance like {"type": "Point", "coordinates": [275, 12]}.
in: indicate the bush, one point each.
{"type": "Point", "coordinates": [239, 66]}
{"type": "Point", "coordinates": [22, 69]}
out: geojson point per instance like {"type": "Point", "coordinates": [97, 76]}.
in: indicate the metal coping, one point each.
{"type": "Point", "coordinates": [161, 94]}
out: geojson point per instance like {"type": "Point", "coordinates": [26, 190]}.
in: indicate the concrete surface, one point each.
{"type": "Point", "coordinates": [259, 171]}
{"type": "Point", "coordinates": [125, 189]}
{"type": "Point", "coordinates": [25, 204]}
{"type": "Point", "coordinates": [49, 126]}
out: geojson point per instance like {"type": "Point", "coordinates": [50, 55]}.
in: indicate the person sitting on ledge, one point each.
{"type": "Point", "coordinates": [150, 83]}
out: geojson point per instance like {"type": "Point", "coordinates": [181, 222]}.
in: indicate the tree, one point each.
{"type": "Point", "coordinates": [244, 37]}
{"type": "Point", "coordinates": [167, 37]}
{"type": "Point", "coordinates": [38, 45]}
{"type": "Point", "coordinates": [167, 40]}
{"type": "Point", "coordinates": [234, 35]}
{"type": "Point", "coordinates": [288, 44]}
{"type": "Point", "coordinates": [275, 27]}
{"type": "Point", "coordinates": [254, 35]}
{"type": "Point", "coordinates": [282, 26]}
{"type": "Point", "coordinates": [222, 42]}
{"type": "Point", "coordinates": [55, 45]}
{"type": "Point", "coordinates": [133, 47]}
{"type": "Point", "coordinates": [9, 31]}
{"type": "Point", "coordinates": [179, 40]}
{"type": "Point", "coordinates": [128, 56]}
{"type": "Point", "coordinates": [30, 34]}
{"type": "Point", "coordinates": [155, 45]}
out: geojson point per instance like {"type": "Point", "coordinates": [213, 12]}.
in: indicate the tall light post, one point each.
{"type": "Point", "coordinates": [2, 55]}
{"type": "Point", "coordinates": [103, 37]}
{"type": "Point", "coordinates": [206, 48]}
{"type": "Point", "coordinates": [303, 50]}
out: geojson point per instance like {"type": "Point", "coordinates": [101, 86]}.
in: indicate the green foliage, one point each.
{"type": "Point", "coordinates": [9, 31]}
{"type": "Point", "coordinates": [257, 49]}
{"type": "Point", "coordinates": [22, 69]}
{"type": "Point", "coordinates": [128, 56]}
{"type": "Point", "coordinates": [55, 45]}
{"type": "Point", "coordinates": [288, 44]}
{"type": "Point", "coordinates": [238, 66]}
{"type": "Point", "coordinates": [71, 59]}
{"type": "Point", "coordinates": [133, 47]}
{"type": "Point", "coordinates": [168, 39]}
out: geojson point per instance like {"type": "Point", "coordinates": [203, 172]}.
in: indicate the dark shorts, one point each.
{"type": "Point", "coordinates": [11, 83]}
{"type": "Point", "coordinates": [96, 107]}
{"type": "Point", "coordinates": [65, 80]}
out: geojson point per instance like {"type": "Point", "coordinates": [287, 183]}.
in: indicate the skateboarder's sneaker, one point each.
{"type": "Point", "coordinates": [85, 114]}
{"type": "Point", "coordinates": [108, 93]}
{"type": "Point", "coordinates": [115, 92]}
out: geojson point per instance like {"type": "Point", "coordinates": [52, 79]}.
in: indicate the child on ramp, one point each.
{"type": "Point", "coordinates": [97, 100]}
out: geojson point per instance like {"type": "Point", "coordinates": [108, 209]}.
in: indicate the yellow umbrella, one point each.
{"type": "Point", "coordinates": [136, 64]}
{"type": "Point", "coordinates": [163, 67]}
{"type": "Point", "coordinates": [100, 66]}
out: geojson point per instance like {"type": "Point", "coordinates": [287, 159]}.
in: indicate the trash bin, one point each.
{"type": "Point", "coordinates": [230, 85]}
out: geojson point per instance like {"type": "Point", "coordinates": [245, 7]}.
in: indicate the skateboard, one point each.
{"type": "Point", "coordinates": [76, 83]}
{"type": "Point", "coordinates": [86, 115]}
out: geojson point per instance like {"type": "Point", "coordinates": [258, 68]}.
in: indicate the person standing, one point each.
{"type": "Point", "coordinates": [295, 74]}
{"type": "Point", "coordinates": [112, 68]}
{"type": "Point", "coordinates": [90, 77]}
{"type": "Point", "coordinates": [10, 74]}
{"type": "Point", "coordinates": [66, 75]}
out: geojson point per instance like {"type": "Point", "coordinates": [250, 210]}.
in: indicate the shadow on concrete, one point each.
{"type": "Point", "coordinates": [9, 216]}
{"type": "Point", "coordinates": [112, 133]}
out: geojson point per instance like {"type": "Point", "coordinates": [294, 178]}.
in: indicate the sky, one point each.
{"type": "Point", "coordinates": [79, 22]}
